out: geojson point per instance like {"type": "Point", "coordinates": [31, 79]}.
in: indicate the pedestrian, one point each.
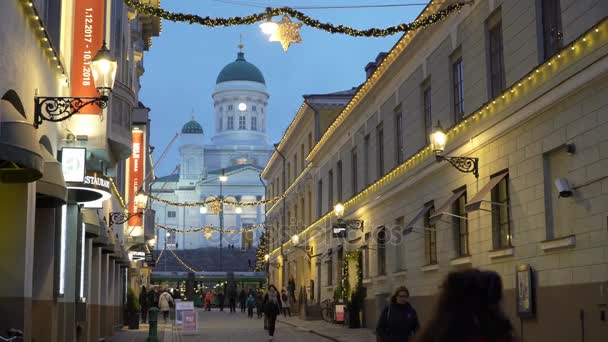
{"type": "Point", "coordinates": [143, 304]}
{"type": "Point", "coordinates": [259, 303]}
{"type": "Point", "coordinates": [250, 305]}
{"type": "Point", "coordinates": [243, 300]}
{"type": "Point", "coordinates": [469, 310]}
{"type": "Point", "coordinates": [232, 298]}
{"type": "Point", "coordinates": [152, 298]}
{"type": "Point", "coordinates": [208, 300]}
{"type": "Point", "coordinates": [220, 300]}
{"type": "Point", "coordinates": [272, 307]}
{"type": "Point", "coordinates": [285, 301]}
{"type": "Point", "coordinates": [398, 321]}
{"type": "Point", "coordinates": [165, 302]}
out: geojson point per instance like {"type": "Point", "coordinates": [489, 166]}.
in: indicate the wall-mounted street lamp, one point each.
{"type": "Point", "coordinates": [295, 240]}
{"type": "Point", "coordinates": [103, 68]}
{"type": "Point", "coordinates": [141, 199]}
{"type": "Point", "coordinates": [273, 264]}
{"type": "Point", "coordinates": [438, 140]}
{"type": "Point", "coordinates": [352, 224]}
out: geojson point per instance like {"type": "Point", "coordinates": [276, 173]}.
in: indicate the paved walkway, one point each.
{"type": "Point", "coordinates": [165, 334]}
{"type": "Point", "coordinates": [334, 332]}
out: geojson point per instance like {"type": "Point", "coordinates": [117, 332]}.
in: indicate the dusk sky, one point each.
{"type": "Point", "coordinates": [183, 63]}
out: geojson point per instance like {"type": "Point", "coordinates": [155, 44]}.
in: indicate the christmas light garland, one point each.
{"type": "Point", "coordinates": [214, 201]}
{"type": "Point", "coordinates": [211, 228]}
{"type": "Point", "coordinates": [305, 19]}
{"type": "Point", "coordinates": [182, 262]}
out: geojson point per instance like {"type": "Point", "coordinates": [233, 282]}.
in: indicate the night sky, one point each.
{"type": "Point", "coordinates": [183, 63]}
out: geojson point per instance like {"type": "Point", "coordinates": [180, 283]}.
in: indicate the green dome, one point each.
{"type": "Point", "coordinates": [192, 127]}
{"type": "Point", "coordinates": [240, 70]}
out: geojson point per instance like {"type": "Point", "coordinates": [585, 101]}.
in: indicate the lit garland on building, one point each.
{"type": "Point", "coordinates": [531, 81]}
{"type": "Point", "coordinates": [305, 19]}
{"type": "Point", "coordinates": [214, 201]}
{"type": "Point", "coordinates": [211, 228]}
{"type": "Point", "coordinates": [182, 262]}
{"type": "Point", "coordinates": [121, 201]}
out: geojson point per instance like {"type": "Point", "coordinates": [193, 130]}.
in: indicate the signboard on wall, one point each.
{"type": "Point", "coordinates": [136, 175]}
{"type": "Point", "coordinates": [73, 163]}
{"type": "Point", "coordinates": [88, 37]}
{"type": "Point", "coordinates": [525, 291]}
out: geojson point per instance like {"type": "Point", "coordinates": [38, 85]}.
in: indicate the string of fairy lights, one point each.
{"type": "Point", "coordinates": [211, 228]}
{"type": "Point", "coordinates": [213, 201]}
{"type": "Point", "coordinates": [287, 32]}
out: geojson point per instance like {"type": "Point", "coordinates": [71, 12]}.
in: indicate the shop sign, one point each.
{"type": "Point", "coordinates": [525, 291]}
{"type": "Point", "coordinates": [93, 182]}
{"type": "Point", "coordinates": [339, 313]}
{"type": "Point", "coordinates": [73, 163]}
{"type": "Point", "coordinates": [190, 323]}
{"type": "Point", "coordinates": [180, 307]}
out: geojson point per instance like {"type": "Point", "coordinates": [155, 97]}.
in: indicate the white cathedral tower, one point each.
{"type": "Point", "coordinates": [239, 148]}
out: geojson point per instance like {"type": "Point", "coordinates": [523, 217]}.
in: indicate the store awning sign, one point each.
{"type": "Point", "coordinates": [94, 187]}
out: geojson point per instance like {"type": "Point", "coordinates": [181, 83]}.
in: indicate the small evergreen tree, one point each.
{"type": "Point", "coordinates": [261, 252]}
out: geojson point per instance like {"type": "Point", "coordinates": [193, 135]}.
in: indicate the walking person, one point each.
{"type": "Point", "coordinates": [208, 300]}
{"type": "Point", "coordinates": [143, 304]}
{"type": "Point", "coordinates": [398, 321]}
{"type": "Point", "coordinates": [469, 310]}
{"type": "Point", "coordinates": [272, 308]}
{"type": "Point", "coordinates": [232, 298]}
{"type": "Point", "coordinates": [152, 298]}
{"type": "Point", "coordinates": [243, 300]}
{"type": "Point", "coordinates": [259, 303]}
{"type": "Point", "coordinates": [250, 302]}
{"type": "Point", "coordinates": [165, 302]}
{"type": "Point", "coordinates": [285, 301]}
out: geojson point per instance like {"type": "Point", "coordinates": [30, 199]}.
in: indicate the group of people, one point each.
{"type": "Point", "coordinates": [468, 310]}
{"type": "Point", "coordinates": [155, 298]}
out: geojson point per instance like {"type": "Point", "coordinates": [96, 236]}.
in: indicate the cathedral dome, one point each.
{"type": "Point", "coordinates": [192, 127]}
{"type": "Point", "coordinates": [240, 70]}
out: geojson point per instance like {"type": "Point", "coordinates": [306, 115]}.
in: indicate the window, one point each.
{"type": "Point", "coordinates": [398, 136]}
{"type": "Point", "coordinates": [309, 208]}
{"type": "Point", "coordinates": [221, 123]}
{"type": "Point", "coordinates": [339, 170]}
{"type": "Point", "coordinates": [302, 221]}
{"type": "Point", "coordinates": [430, 236]}
{"type": "Point", "coordinates": [381, 251]}
{"type": "Point", "coordinates": [254, 123]}
{"type": "Point", "coordinates": [354, 167]}
{"type": "Point", "coordinates": [221, 109]}
{"type": "Point", "coordinates": [302, 160]}
{"type": "Point", "coordinates": [230, 107]}
{"type": "Point", "coordinates": [340, 263]}
{"type": "Point", "coordinates": [317, 126]}
{"type": "Point", "coordinates": [242, 122]}
{"type": "Point", "coordinates": [320, 199]}
{"type": "Point", "coordinates": [330, 189]}
{"type": "Point", "coordinates": [50, 13]}
{"type": "Point", "coordinates": [501, 231]}
{"type": "Point", "coordinates": [230, 122]}
{"type": "Point", "coordinates": [557, 210]}
{"type": "Point", "coordinates": [171, 239]}
{"type": "Point", "coordinates": [457, 90]}
{"type": "Point", "coordinates": [426, 107]}
{"type": "Point", "coordinates": [366, 147]}
{"type": "Point", "coordinates": [380, 149]}
{"type": "Point", "coordinates": [288, 173]}
{"type": "Point", "coordinates": [171, 213]}
{"type": "Point", "coordinates": [254, 108]}
{"type": "Point", "coordinates": [295, 167]}
{"type": "Point", "coordinates": [552, 28]}
{"type": "Point", "coordinates": [495, 54]}
{"type": "Point", "coordinates": [399, 255]}
{"type": "Point", "coordinates": [330, 271]}
{"type": "Point", "coordinates": [460, 227]}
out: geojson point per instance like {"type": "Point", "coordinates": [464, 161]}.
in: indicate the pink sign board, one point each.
{"type": "Point", "coordinates": [190, 321]}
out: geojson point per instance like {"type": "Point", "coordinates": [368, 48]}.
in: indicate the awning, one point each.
{"type": "Point", "coordinates": [91, 223]}
{"type": "Point", "coordinates": [475, 203]}
{"type": "Point", "coordinates": [20, 159]}
{"type": "Point", "coordinates": [446, 207]}
{"type": "Point", "coordinates": [50, 189]}
{"type": "Point", "coordinates": [95, 186]}
{"type": "Point", "coordinates": [416, 218]}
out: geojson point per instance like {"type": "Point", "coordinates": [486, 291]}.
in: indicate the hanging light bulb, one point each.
{"type": "Point", "coordinates": [269, 27]}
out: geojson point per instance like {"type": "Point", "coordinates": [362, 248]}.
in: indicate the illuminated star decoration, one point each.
{"type": "Point", "coordinates": [288, 32]}
{"type": "Point", "coordinates": [208, 233]}
{"type": "Point", "coordinates": [216, 207]}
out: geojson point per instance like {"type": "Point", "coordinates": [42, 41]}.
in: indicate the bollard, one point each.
{"type": "Point", "coordinates": [153, 321]}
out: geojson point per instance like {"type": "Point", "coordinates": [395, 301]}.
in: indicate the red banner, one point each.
{"type": "Point", "coordinates": [88, 37]}
{"type": "Point", "coordinates": [136, 175]}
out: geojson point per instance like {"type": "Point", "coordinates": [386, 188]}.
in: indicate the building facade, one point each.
{"type": "Point", "coordinates": [64, 264]}
{"type": "Point", "coordinates": [517, 84]}
{"type": "Point", "coordinates": [238, 150]}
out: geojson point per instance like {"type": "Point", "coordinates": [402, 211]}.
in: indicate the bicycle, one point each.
{"type": "Point", "coordinates": [328, 310]}
{"type": "Point", "coordinates": [13, 335]}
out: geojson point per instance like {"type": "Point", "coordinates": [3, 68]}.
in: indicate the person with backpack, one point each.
{"type": "Point", "coordinates": [250, 305]}
{"type": "Point", "coordinates": [398, 321]}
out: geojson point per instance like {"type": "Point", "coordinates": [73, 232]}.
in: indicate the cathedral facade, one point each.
{"type": "Point", "coordinates": [238, 150]}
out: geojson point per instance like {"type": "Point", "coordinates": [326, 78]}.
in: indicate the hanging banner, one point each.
{"type": "Point", "coordinates": [88, 38]}
{"type": "Point", "coordinates": [136, 175]}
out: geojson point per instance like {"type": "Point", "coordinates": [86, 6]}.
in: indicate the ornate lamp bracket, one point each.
{"type": "Point", "coordinates": [120, 218]}
{"type": "Point", "coordinates": [57, 109]}
{"type": "Point", "coordinates": [463, 164]}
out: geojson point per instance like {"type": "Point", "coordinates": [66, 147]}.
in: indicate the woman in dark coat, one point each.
{"type": "Point", "coordinates": [398, 321]}
{"type": "Point", "coordinates": [272, 307]}
{"type": "Point", "coordinates": [143, 304]}
{"type": "Point", "coordinates": [243, 299]}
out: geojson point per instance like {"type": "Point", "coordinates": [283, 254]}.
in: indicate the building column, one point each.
{"type": "Point", "coordinates": [103, 295]}
{"type": "Point", "coordinates": [16, 256]}
{"type": "Point", "coordinates": [94, 294]}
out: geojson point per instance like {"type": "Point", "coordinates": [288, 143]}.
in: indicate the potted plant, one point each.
{"type": "Point", "coordinates": [133, 309]}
